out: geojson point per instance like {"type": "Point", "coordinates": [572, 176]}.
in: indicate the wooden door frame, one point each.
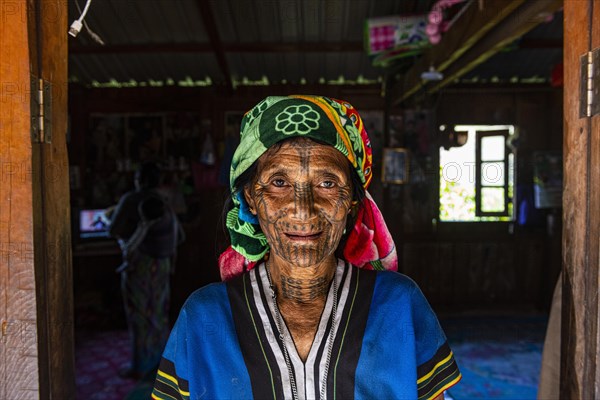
{"type": "Point", "coordinates": [36, 287]}
{"type": "Point", "coordinates": [39, 220]}
{"type": "Point", "coordinates": [580, 372]}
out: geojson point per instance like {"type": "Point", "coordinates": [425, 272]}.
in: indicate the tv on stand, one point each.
{"type": "Point", "coordinates": [93, 224]}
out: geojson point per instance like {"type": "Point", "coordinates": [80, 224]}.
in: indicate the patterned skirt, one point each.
{"type": "Point", "coordinates": [146, 294]}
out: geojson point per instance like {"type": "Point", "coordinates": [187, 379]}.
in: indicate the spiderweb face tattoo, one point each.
{"type": "Point", "coordinates": [301, 196]}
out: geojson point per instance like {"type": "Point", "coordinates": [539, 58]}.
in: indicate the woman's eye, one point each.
{"type": "Point", "coordinates": [278, 182]}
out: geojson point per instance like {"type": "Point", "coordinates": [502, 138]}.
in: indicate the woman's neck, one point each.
{"type": "Point", "coordinates": [301, 296]}
{"type": "Point", "coordinates": [301, 285]}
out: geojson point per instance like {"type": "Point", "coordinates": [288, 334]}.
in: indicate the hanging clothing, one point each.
{"type": "Point", "coordinates": [386, 343]}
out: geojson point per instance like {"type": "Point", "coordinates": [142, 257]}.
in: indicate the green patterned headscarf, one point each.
{"type": "Point", "coordinates": [277, 118]}
{"type": "Point", "coordinates": [274, 119]}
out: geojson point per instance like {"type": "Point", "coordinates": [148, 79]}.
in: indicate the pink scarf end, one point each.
{"type": "Point", "coordinates": [232, 264]}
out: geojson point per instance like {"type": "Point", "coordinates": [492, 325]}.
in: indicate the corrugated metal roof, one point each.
{"type": "Point", "coordinates": [142, 21]}
{"type": "Point", "coordinates": [242, 23]}
{"type": "Point", "coordinates": [293, 67]}
{"type": "Point", "coordinates": [143, 67]}
{"type": "Point", "coordinates": [522, 62]}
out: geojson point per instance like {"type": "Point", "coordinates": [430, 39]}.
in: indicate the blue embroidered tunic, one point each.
{"type": "Point", "coordinates": [387, 343]}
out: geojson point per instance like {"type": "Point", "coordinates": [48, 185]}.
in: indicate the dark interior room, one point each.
{"type": "Point", "coordinates": [189, 72]}
{"type": "Point", "coordinates": [484, 168]}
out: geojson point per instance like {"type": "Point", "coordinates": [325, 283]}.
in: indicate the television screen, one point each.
{"type": "Point", "coordinates": [93, 224]}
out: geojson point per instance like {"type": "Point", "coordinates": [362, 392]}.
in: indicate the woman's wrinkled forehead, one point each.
{"type": "Point", "coordinates": [310, 152]}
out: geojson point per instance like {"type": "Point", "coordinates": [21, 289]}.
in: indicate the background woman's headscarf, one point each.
{"type": "Point", "coordinates": [369, 245]}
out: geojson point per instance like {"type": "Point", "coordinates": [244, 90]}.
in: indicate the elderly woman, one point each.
{"type": "Point", "coordinates": [308, 310]}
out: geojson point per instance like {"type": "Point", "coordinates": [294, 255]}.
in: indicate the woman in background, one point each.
{"type": "Point", "coordinates": [310, 308]}
{"type": "Point", "coordinates": [148, 232]}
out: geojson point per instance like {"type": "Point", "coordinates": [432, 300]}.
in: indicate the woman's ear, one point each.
{"type": "Point", "coordinates": [249, 199]}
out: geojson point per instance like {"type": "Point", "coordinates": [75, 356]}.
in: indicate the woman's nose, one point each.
{"type": "Point", "coordinates": [304, 201]}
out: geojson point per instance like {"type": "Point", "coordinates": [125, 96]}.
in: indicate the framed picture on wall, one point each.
{"type": "Point", "coordinates": [395, 165]}
{"type": "Point", "coordinates": [547, 179]}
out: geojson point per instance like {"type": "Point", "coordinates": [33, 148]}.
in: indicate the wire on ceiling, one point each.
{"type": "Point", "coordinates": [80, 22]}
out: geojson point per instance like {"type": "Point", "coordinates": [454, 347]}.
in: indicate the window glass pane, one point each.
{"type": "Point", "coordinates": [492, 148]}
{"type": "Point", "coordinates": [492, 174]}
{"type": "Point", "coordinates": [457, 181]}
{"type": "Point", "coordinates": [492, 199]}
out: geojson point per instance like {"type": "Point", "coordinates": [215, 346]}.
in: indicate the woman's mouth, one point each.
{"type": "Point", "coordinates": [304, 236]}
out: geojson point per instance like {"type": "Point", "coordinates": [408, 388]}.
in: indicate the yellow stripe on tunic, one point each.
{"type": "Point", "coordinates": [164, 396]}
{"type": "Point", "coordinates": [175, 381]}
{"type": "Point", "coordinates": [425, 377]}
{"type": "Point", "coordinates": [446, 386]}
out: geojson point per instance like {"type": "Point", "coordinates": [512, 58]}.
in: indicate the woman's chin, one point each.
{"type": "Point", "coordinates": [307, 259]}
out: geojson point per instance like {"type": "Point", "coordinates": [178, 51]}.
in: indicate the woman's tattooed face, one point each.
{"type": "Point", "coordinates": [301, 195]}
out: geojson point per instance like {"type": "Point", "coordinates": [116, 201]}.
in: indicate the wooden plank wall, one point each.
{"type": "Point", "coordinates": [467, 266]}
{"type": "Point", "coordinates": [18, 340]}
{"type": "Point", "coordinates": [581, 218]}
{"type": "Point", "coordinates": [477, 274]}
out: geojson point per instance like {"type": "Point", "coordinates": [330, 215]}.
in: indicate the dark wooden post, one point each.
{"type": "Point", "coordinates": [581, 212]}
{"type": "Point", "coordinates": [48, 24]}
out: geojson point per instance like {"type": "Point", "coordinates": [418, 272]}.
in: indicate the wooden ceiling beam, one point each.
{"type": "Point", "coordinates": [208, 18]}
{"type": "Point", "coordinates": [530, 15]}
{"type": "Point", "coordinates": [471, 27]}
{"type": "Point", "coordinates": [289, 47]}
